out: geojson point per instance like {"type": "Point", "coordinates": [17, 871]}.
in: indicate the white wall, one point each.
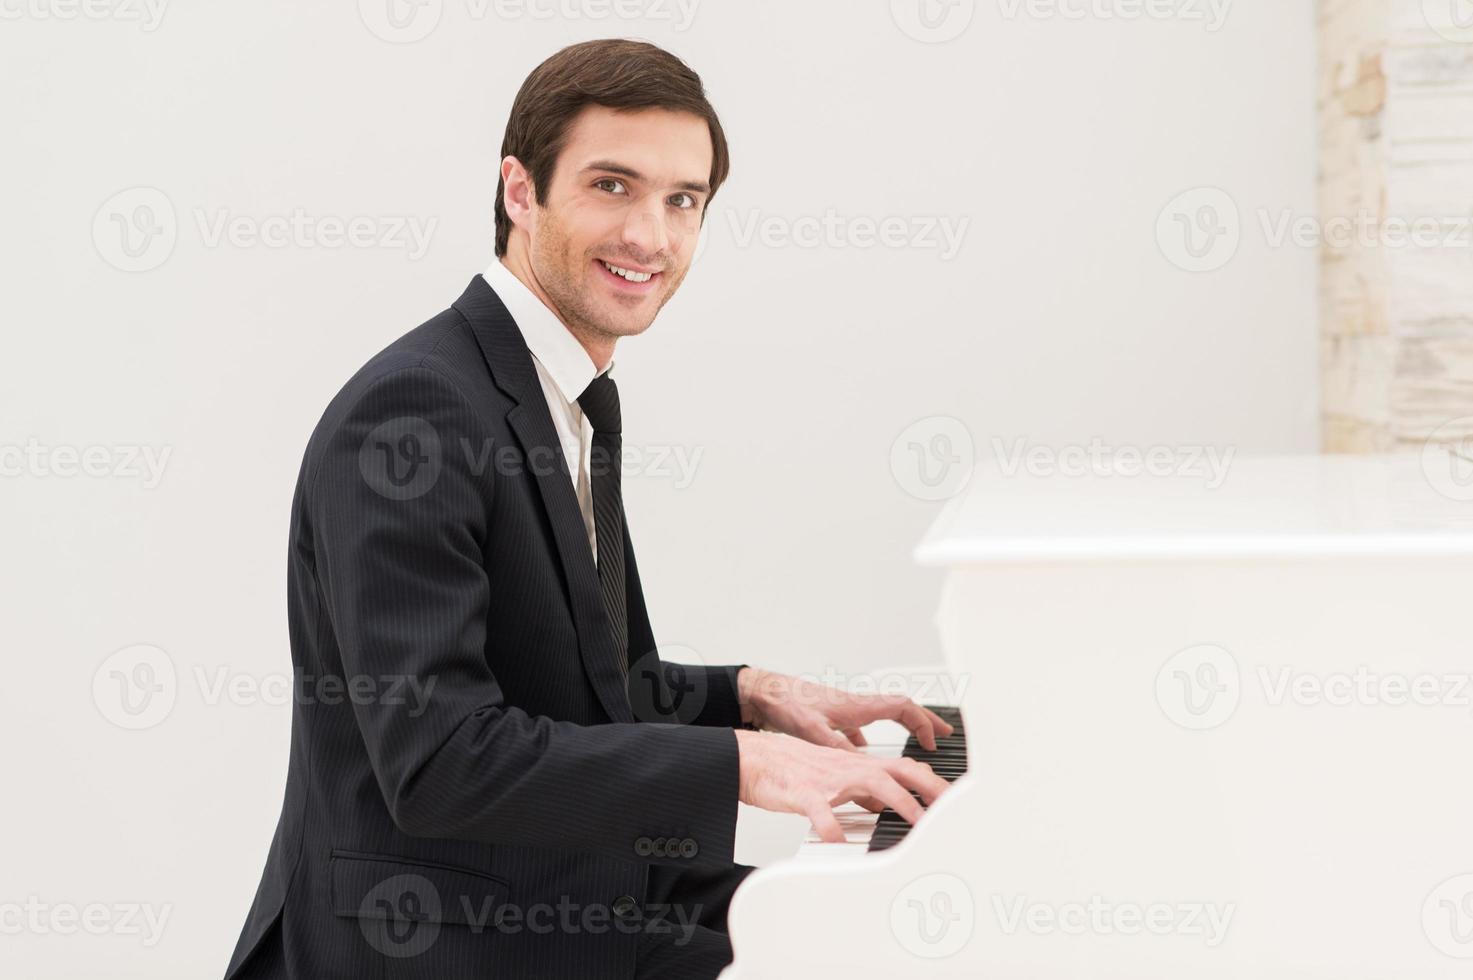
{"type": "Point", "coordinates": [791, 370]}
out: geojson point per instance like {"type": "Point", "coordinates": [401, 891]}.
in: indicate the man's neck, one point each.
{"type": "Point", "coordinates": [600, 350]}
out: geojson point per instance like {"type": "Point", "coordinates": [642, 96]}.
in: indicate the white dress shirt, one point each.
{"type": "Point", "coordinates": [565, 370]}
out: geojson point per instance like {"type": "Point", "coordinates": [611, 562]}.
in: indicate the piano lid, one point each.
{"type": "Point", "coordinates": [1407, 504]}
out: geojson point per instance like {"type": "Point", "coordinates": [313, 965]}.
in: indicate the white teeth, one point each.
{"type": "Point", "coordinates": [631, 276]}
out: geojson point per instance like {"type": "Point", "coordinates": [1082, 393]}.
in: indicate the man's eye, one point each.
{"type": "Point", "coordinates": [615, 189]}
{"type": "Point", "coordinates": [691, 201]}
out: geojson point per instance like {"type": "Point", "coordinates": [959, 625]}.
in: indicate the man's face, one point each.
{"type": "Point", "coordinates": [628, 191]}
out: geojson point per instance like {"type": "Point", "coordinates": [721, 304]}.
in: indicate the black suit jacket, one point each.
{"type": "Point", "coordinates": [465, 752]}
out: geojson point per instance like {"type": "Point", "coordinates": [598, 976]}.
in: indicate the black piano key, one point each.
{"type": "Point", "coordinates": [949, 761]}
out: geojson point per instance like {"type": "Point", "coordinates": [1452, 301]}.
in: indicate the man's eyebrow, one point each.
{"type": "Point", "coordinates": [609, 166]}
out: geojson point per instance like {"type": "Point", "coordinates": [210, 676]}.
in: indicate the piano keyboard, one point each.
{"type": "Point", "coordinates": [866, 831]}
{"type": "Point", "coordinates": [949, 760]}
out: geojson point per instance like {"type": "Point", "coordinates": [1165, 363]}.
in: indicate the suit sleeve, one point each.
{"type": "Point", "coordinates": [662, 690]}
{"type": "Point", "coordinates": [398, 512]}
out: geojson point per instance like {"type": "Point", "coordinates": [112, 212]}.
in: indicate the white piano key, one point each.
{"type": "Point", "coordinates": [886, 741]}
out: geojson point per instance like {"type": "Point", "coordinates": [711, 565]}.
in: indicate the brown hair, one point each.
{"type": "Point", "coordinates": [616, 73]}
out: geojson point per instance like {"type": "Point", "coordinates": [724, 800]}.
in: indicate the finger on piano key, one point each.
{"type": "Point", "coordinates": [865, 830]}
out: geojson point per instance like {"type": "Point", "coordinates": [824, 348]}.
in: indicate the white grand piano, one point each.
{"type": "Point", "coordinates": [1209, 732]}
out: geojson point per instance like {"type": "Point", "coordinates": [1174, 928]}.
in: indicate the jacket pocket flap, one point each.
{"type": "Point", "coordinates": [375, 886]}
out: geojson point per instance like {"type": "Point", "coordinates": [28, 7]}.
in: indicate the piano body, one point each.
{"type": "Point", "coordinates": [1210, 732]}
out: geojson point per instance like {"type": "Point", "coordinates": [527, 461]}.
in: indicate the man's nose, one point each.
{"type": "Point", "coordinates": [645, 232]}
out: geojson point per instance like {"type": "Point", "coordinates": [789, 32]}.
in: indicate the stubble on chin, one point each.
{"type": "Point", "coordinates": [587, 314]}
{"type": "Point", "coordinates": [572, 289]}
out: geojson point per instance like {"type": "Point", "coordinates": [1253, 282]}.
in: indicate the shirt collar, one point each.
{"type": "Point", "coordinates": [552, 343]}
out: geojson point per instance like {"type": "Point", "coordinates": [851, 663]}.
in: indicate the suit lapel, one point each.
{"type": "Point", "coordinates": [512, 369]}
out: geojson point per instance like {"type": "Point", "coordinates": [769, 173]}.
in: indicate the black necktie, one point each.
{"type": "Point", "coordinates": [600, 402]}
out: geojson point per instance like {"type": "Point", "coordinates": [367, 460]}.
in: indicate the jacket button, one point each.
{"type": "Point", "coordinates": [626, 908]}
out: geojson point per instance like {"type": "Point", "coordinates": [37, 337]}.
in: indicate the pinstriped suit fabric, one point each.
{"type": "Point", "coordinates": [465, 739]}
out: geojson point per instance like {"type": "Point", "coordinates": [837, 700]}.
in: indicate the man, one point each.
{"type": "Point", "coordinates": [511, 782]}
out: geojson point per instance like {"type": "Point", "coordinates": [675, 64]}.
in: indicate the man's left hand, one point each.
{"type": "Point", "coordinates": [828, 715]}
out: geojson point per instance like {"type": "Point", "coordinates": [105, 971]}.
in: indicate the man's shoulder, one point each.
{"type": "Point", "coordinates": [434, 365]}
{"type": "Point", "coordinates": [443, 345]}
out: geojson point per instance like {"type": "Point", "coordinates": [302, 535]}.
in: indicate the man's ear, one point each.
{"type": "Point", "coordinates": [517, 197]}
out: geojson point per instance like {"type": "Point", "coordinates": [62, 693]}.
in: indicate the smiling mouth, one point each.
{"type": "Point", "coordinates": [628, 279]}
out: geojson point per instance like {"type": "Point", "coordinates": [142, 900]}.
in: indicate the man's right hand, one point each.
{"type": "Point", "coordinates": [789, 775]}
